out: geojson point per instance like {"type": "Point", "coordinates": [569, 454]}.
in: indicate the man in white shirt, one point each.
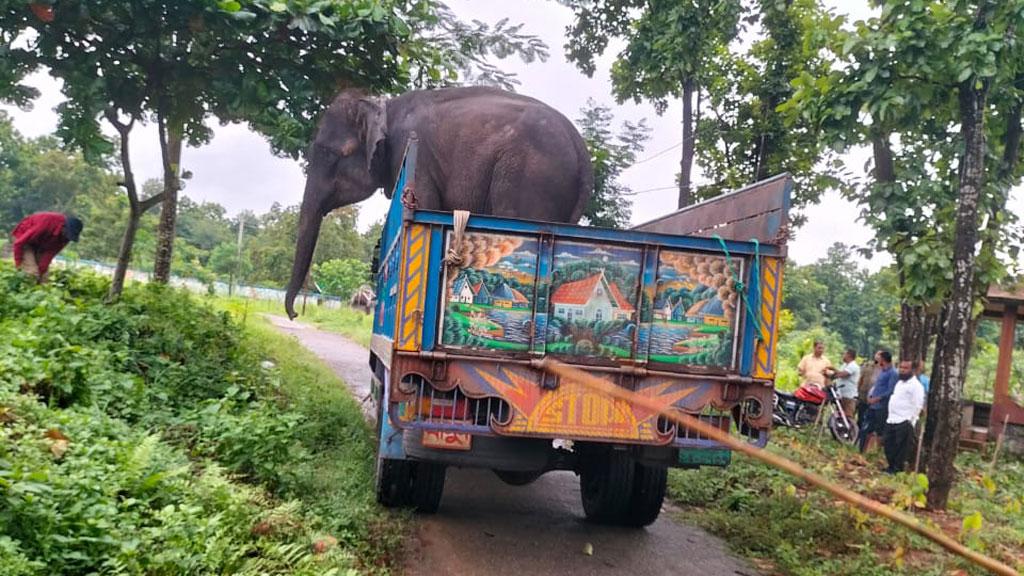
{"type": "Point", "coordinates": [905, 407]}
{"type": "Point", "coordinates": [847, 378]}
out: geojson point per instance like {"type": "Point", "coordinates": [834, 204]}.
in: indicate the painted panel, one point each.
{"type": "Point", "coordinates": [771, 305]}
{"type": "Point", "coordinates": [694, 319]}
{"type": "Point", "coordinates": [592, 302]}
{"type": "Point", "coordinates": [648, 292]}
{"type": "Point", "coordinates": [413, 287]}
{"type": "Point", "coordinates": [489, 301]}
{"type": "Point", "coordinates": [574, 411]}
{"type": "Point", "coordinates": [432, 307]}
{"type": "Point", "coordinates": [540, 307]}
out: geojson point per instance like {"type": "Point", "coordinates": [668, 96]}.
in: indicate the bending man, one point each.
{"type": "Point", "coordinates": [40, 237]}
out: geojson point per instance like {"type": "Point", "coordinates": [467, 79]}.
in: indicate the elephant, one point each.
{"type": "Point", "coordinates": [480, 149]}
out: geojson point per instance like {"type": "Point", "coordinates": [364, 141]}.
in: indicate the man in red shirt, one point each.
{"type": "Point", "coordinates": [40, 237]}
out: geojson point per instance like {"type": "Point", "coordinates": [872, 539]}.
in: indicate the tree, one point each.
{"type": "Point", "coordinates": [273, 244]}
{"type": "Point", "coordinates": [204, 224]}
{"type": "Point", "coordinates": [273, 64]}
{"type": "Point", "coordinates": [39, 175]}
{"type": "Point", "coordinates": [230, 262]}
{"type": "Point", "coordinates": [341, 277]}
{"type": "Point", "coordinates": [742, 137]}
{"type": "Point", "coordinates": [839, 296]}
{"type": "Point", "coordinates": [936, 90]}
{"type": "Point", "coordinates": [611, 155]}
{"type": "Point", "coordinates": [670, 47]}
{"type": "Point", "coordinates": [732, 64]}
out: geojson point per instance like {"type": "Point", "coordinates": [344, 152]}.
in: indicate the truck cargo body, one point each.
{"type": "Point", "coordinates": [465, 313]}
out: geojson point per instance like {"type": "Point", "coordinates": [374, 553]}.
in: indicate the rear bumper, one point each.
{"type": "Point", "coordinates": [501, 399]}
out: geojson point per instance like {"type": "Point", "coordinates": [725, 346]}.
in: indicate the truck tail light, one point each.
{"type": "Point", "coordinates": [445, 408]}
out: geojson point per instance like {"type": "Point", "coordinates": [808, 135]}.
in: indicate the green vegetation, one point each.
{"type": "Point", "coordinates": [804, 532]}
{"type": "Point", "coordinates": [341, 277]}
{"type": "Point", "coordinates": [609, 205]}
{"type": "Point", "coordinates": [154, 436]}
{"type": "Point", "coordinates": [353, 324]}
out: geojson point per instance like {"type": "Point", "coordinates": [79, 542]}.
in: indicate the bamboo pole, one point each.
{"type": "Point", "coordinates": [862, 502]}
{"type": "Point", "coordinates": [999, 445]}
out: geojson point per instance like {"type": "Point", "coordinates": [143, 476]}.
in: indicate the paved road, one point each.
{"type": "Point", "coordinates": [485, 527]}
{"type": "Point", "coordinates": [345, 357]}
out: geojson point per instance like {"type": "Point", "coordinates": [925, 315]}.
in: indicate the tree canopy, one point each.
{"type": "Point", "coordinates": [609, 205]}
{"type": "Point", "coordinates": [271, 64]}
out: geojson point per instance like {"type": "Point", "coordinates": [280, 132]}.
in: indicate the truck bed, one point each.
{"type": "Point", "coordinates": [460, 324]}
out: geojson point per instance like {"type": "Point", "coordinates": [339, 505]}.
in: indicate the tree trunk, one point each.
{"type": "Point", "coordinates": [913, 333]}
{"type": "Point", "coordinates": [170, 144]}
{"type": "Point", "coordinates": [953, 350]}
{"type": "Point", "coordinates": [686, 164]}
{"type": "Point", "coordinates": [136, 207]}
{"type": "Point", "coordinates": [124, 255]}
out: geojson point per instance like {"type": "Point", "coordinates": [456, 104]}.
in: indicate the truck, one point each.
{"type": "Point", "coordinates": [677, 309]}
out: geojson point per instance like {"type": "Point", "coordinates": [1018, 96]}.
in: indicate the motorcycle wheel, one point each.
{"type": "Point", "coordinates": [841, 431]}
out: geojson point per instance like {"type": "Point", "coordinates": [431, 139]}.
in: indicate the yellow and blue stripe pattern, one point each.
{"type": "Point", "coordinates": [771, 305]}
{"type": "Point", "coordinates": [409, 330]}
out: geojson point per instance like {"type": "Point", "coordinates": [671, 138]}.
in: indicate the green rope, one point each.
{"type": "Point", "coordinates": [754, 310]}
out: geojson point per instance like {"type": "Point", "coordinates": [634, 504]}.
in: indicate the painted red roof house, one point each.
{"type": "Point", "coordinates": [592, 298]}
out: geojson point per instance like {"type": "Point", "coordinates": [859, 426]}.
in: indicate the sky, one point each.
{"type": "Point", "coordinates": [238, 170]}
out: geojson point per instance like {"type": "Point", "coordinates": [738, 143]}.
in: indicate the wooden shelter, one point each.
{"type": "Point", "coordinates": [1007, 306]}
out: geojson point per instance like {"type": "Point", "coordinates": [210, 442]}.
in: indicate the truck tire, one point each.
{"type": "Point", "coordinates": [606, 486]}
{"type": "Point", "coordinates": [649, 483]}
{"type": "Point", "coordinates": [517, 477]}
{"type": "Point", "coordinates": [394, 482]}
{"type": "Point", "coordinates": [427, 486]}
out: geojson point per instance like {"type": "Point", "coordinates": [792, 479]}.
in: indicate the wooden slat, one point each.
{"type": "Point", "coordinates": [758, 211]}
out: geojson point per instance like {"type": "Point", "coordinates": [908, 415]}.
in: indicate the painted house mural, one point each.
{"type": "Point", "coordinates": [693, 320]}
{"type": "Point", "coordinates": [593, 295]}
{"type": "Point", "coordinates": [593, 298]}
{"type": "Point", "coordinates": [489, 303]}
{"type": "Point", "coordinates": [588, 304]}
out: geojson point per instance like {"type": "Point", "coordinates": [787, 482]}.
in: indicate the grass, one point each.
{"type": "Point", "coordinates": [784, 527]}
{"type": "Point", "coordinates": [338, 482]}
{"type": "Point", "coordinates": [353, 324]}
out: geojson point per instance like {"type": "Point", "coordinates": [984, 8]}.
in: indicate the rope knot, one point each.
{"type": "Point", "coordinates": [453, 256]}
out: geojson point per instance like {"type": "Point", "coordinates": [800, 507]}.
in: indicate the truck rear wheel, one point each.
{"type": "Point", "coordinates": [394, 480]}
{"type": "Point", "coordinates": [606, 486]}
{"type": "Point", "coordinates": [427, 486]}
{"type": "Point", "coordinates": [649, 483]}
{"type": "Point", "coordinates": [408, 483]}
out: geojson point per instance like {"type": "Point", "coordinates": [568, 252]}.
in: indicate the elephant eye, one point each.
{"type": "Point", "coordinates": [325, 153]}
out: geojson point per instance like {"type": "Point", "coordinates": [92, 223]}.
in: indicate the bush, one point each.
{"type": "Point", "coordinates": [126, 431]}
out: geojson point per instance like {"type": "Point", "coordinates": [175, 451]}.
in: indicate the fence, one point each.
{"type": "Point", "coordinates": [193, 285]}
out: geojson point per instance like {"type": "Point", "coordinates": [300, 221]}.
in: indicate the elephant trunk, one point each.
{"type": "Point", "coordinates": [310, 219]}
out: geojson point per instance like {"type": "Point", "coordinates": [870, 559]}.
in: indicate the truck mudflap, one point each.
{"type": "Point", "coordinates": [506, 399]}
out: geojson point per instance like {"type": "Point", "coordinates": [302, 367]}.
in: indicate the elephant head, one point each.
{"type": "Point", "coordinates": [345, 164]}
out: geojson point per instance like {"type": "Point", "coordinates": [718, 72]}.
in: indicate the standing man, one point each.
{"type": "Point", "coordinates": [812, 366]}
{"type": "Point", "coordinates": [878, 398]}
{"type": "Point", "coordinates": [40, 237]}
{"type": "Point", "coordinates": [847, 378]}
{"type": "Point", "coordinates": [921, 376]}
{"type": "Point", "coordinates": [905, 407]}
{"type": "Point", "coordinates": [867, 379]}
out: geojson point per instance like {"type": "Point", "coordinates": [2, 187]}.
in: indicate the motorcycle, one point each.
{"type": "Point", "coordinates": [805, 406]}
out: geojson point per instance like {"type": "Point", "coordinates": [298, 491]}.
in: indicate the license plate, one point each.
{"type": "Point", "coordinates": [447, 440]}
{"type": "Point", "coordinates": [704, 457]}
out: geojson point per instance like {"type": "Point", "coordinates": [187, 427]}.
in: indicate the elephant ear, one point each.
{"type": "Point", "coordinates": [375, 121]}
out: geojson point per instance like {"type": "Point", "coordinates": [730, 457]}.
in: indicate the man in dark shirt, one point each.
{"type": "Point", "coordinates": [40, 237]}
{"type": "Point", "coordinates": [878, 398]}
